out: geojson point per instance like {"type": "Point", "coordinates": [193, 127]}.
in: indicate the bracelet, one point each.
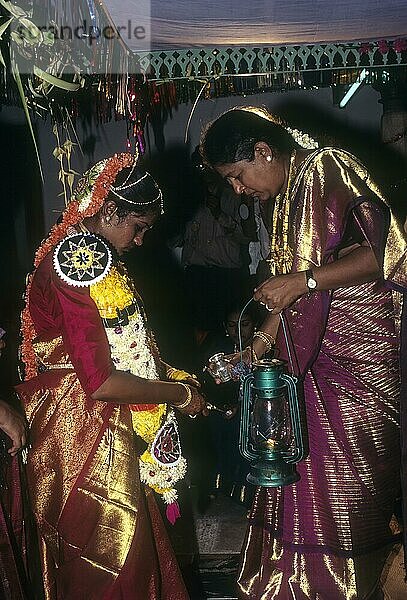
{"type": "Point", "coordinates": [189, 396]}
{"type": "Point", "coordinates": [266, 338]}
{"type": "Point", "coordinates": [170, 371]}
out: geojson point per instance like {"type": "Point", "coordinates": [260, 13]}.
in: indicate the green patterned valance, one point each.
{"type": "Point", "coordinates": [263, 60]}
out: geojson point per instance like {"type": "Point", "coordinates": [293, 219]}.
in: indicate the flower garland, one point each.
{"type": "Point", "coordinates": [303, 139]}
{"type": "Point", "coordinates": [112, 293]}
{"type": "Point", "coordinates": [133, 350]}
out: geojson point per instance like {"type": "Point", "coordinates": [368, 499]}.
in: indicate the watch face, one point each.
{"type": "Point", "coordinates": [311, 283]}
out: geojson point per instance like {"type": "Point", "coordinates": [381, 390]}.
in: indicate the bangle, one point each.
{"type": "Point", "coordinates": [189, 396]}
{"type": "Point", "coordinates": [266, 338]}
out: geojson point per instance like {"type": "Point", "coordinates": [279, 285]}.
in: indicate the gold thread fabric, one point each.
{"type": "Point", "coordinates": [327, 536]}
{"type": "Point", "coordinates": [100, 537]}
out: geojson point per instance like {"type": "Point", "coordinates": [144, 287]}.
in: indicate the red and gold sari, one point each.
{"type": "Point", "coordinates": [100, 531]}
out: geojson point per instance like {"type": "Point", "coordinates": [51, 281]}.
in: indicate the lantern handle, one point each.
{"type": "Point", "coordinates": [244, 419]}
{"type": "Point", "coordinates": [287, 341]}
{"type": "Point", "coordinates": [239, 328]}
{"type": "Point", "coordinates": [292, 386]}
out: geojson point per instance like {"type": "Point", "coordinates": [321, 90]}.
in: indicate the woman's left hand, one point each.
{"type": "Point", "coordinates": [279, 292]}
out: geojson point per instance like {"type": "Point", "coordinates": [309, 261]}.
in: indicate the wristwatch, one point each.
{"type": "Point", "coordinates": [310, 280]}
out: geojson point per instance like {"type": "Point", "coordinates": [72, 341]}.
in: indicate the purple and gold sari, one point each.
{"type": "Point", "coordinates": [327, 536]}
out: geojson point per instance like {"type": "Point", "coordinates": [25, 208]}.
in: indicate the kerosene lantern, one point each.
{"type": "Point", "coordinates": [271, 430]}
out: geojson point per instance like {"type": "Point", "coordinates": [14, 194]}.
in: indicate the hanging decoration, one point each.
{"type": "Point", "coordinates": [103, 81]}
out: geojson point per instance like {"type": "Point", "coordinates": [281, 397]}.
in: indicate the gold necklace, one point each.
{"type": "Point", "coordinates": [281, 254]}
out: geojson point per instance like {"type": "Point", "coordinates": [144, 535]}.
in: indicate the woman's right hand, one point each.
{"type": "Point", "coordinates": [197, 404]}
{"type": "Point", "coordinates": [233, 360]}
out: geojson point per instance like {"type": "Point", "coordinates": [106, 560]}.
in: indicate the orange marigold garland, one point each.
{"type": "Point", "coordinates": [77, 210]}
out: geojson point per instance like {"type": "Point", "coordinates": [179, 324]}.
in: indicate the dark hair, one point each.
{"type": "Point", "coordinates": [232, 136]}
{"type": "Point", "coordinates": [140, 193]}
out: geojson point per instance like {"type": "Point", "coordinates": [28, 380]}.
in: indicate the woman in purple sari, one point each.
{"type": "Point", "coordinates": [334, 247]}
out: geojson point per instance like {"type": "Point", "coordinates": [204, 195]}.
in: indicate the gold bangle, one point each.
{"type": "Point", "coordinates": [266, 338]}
{"type": "Point", "coordinates": [189, 396]}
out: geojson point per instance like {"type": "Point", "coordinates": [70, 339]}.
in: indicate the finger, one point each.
{"type": "Point", "coordinates": [194, 382]}
{"type": "Point", "coordinates": [15, 447]}
{"type": "Point", "coordinates": [258, 287]}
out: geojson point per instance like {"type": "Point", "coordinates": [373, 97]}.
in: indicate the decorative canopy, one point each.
{"type": "Point", "coordinates": [192, 38]}
{"type": "Point", "coordinates": [137, 59]}
{"type": "Point", "coordinates": [198, 23]}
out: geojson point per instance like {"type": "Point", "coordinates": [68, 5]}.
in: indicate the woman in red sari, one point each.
{"type": "Point", "coordinates": [99, 400]}
{"type": "Point", "coordinates": [333, 244]}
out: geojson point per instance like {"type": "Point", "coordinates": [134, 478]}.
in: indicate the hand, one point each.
{"type": "Point", "coordinates": [14, 425]}
{"type": "Point", "coordinates": [174, 374]}
{"type": "Point", "coordinates": [192, 381]}
{"type": "Point", "coordinates": [197, 404]}
{"type": "Point", "coordinates": [279, 292]}
{"type": "Point", "coordinates": [233, 360]}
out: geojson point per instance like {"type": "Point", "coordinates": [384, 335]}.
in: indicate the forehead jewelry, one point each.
{"type": "Point", "coordinates": [158, 197]}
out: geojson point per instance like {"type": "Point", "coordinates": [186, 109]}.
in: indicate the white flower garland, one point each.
{"type": "Point", "coordinates": [303, 139]}
{"type": "Point", "coordinates": [130, 351]}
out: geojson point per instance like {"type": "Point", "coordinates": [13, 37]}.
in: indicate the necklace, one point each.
{"type": "Point", "coordinates": [281, 254]}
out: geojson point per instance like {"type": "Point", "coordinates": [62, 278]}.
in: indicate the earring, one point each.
{"type": "Point", "coordinates": [107, 221]}
{"type": "Point", "coordinates": [268, 158]}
